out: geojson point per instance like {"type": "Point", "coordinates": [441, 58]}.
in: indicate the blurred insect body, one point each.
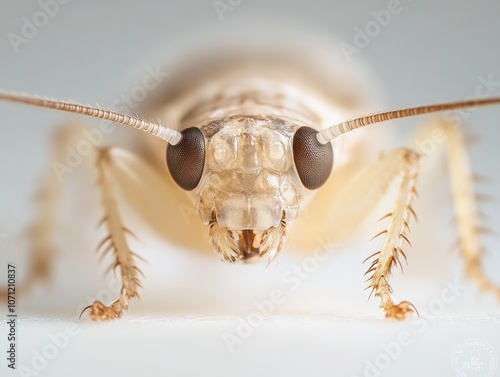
{"type": "Point", "coordinates": [253, 149]}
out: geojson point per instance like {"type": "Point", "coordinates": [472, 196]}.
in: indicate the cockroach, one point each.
{"type": "Point", "coordinates": [251, 140]}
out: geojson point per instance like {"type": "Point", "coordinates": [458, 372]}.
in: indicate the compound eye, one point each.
{"type": "Point", "coordinates": [186, 159]}
{"type": "Point", "coordinates": [313, 160]}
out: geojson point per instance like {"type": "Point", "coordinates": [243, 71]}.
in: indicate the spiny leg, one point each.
{"type": "Point", "coordinates": [466, 207]}
{"type": "Point", "coordinates": [358, 197]}
{"type": "Point", "coordinates": [404, 181]}
{"type": "Point", "coordinates": [40, 234]}
{"type": "Point", "coordinates": [115, 242]}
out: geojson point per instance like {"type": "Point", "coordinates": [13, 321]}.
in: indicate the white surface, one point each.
{"type": "Point", "coordinates": [315, 346]}
{"type": "Point", "coordinates": [431, 52]}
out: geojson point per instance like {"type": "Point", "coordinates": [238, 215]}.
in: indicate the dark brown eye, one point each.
{"type": "Point", "coordinates": [313, 160]}
{"type": "Point", "coordinates": [186, 159]}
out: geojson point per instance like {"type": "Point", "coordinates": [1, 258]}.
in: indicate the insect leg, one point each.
{"type": "Point", "coordinates": [353, 202]}
{"type": "Point", "coordinates": [403, 179]}
{"type": "Point", "coordinates": [40, 233]}
{"type": "Point", "coordinates": [115, 242]}
{"type": "Point", "coordinates": [465, 203]}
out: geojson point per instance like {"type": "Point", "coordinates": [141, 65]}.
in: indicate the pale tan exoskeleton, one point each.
{"type": "Point", "coordinates": [250, 140]}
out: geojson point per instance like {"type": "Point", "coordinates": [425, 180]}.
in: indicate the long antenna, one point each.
{"type": "Point", "coordinates": [330, 133]}
{"type": "Point", "coordinates": [160, 131]}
